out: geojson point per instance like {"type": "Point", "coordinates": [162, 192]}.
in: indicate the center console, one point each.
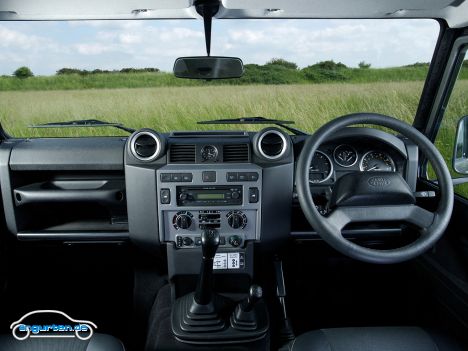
{"type": "Point", "coordinates": [209, 199]}
{"type": "Point", "coordinates": [192, 200]}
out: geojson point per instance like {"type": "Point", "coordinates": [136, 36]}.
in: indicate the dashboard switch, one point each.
{"type": "Point", "coordinates": [242, 177]}
{"type": "Point", "coordinates": [179, 241]}
{"type": "Point", "coordinates": [165, 196]}
{"type": "Point", "coordinates": [187, 177]}
{"type": "Point", "coordinates": [231, 177]}
{"type": "Point", "coordinates": [209, 176]}
{"type": "Point", "coordinates": [253, 195]}
{"type": "Point", "coordinates": [188, 241]}
{"type": "Point", "coordinates": [235, 240]}
{"type": "Point", "coordinates": [253, 176]}
{"type": "Point", "coordinates": [165, 177]}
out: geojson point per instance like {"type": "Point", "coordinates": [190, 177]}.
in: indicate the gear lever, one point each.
{"type": "Point", "coordinates": [209, 243]}
{"type": "Point", "coordinates": [244, 316]}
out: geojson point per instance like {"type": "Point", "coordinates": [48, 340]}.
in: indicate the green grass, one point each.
{"type": "Point", "coordinates": [179, 108]}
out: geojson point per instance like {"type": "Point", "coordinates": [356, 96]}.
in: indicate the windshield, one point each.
{"type": "Point", "coordinates": [307, 71]}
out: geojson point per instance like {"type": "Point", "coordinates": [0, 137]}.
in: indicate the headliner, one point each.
{"type": "Point", "coordinates": [454, 12]}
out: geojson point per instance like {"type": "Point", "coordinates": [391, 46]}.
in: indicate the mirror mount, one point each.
{"type": "Point", "coordinates": [207, 9]}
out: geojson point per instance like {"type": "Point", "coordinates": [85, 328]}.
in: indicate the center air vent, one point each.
{"type": "Point", "coordinates": [272, 144]}
{"type": "Point", "coordinates": [146, 145]}
{"type": "Point", "coordinates": [236, 153]}
{"type": "Point", "coordinates": [182, 153]}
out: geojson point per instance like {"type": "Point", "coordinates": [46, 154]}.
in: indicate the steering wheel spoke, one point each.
{"type": "Point", "coordinates": [412, 214]}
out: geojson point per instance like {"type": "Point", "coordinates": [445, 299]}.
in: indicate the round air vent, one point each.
{"type": "Point", "coordinates": [146, 145]}
{"type": "Point", "coordinates": [272, 144]}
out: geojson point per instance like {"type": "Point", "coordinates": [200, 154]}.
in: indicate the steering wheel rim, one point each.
{"type": "Point", "coordinates": [431, 224]}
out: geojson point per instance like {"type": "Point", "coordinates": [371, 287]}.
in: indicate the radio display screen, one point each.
{"type": "Point", "coordinates": [210, 196]}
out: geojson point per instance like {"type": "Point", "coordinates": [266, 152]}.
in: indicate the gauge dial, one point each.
{"type": "Point", "coordinates": [209, 153]}
{"type": "Point", "coordinates": [345, 155]}
{"type": "Point", "coordinates": [321, 168]}
{"type": "Point", "coordinates": [377, 161]}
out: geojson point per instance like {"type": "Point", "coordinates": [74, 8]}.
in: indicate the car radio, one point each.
{"type": "Point", "coordinates": [209, 195]}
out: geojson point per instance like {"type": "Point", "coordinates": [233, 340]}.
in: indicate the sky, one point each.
{"type": "Point", "coordinates": [46, 47]}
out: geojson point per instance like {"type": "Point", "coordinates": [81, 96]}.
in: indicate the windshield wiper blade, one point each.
{"type": "Point", "coordinates": [256, 120]}
{"type": "Point", "coordinates": [83, 123]}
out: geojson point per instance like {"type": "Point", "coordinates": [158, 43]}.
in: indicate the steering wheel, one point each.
{"type": "Point", "coordinates": [375, 196]}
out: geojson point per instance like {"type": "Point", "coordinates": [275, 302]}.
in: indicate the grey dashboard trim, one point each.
{"type": "Point", "coordinates": [71, 236]}
{"type": "Point", "coordinates": [78, 154]}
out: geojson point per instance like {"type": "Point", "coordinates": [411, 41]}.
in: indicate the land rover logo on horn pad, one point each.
{"type": "Point", "coordinates": [378, 182]}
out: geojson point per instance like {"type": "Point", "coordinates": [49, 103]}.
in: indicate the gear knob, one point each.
{"type": "Point", "coordinates": [210, 243]}
{"type": "Point", "coordinates": [255, 294]}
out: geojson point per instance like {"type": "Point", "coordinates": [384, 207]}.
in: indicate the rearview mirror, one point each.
{"type": "Point", "coordinates": [208, 67]}
{"type": "Point", "coordinates": [460, 153]}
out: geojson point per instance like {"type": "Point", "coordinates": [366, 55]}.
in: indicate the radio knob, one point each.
{"type": "Point", "coordinates": [183, 221]}
{"type": "Point", "coordinates": [183, 196]}
{"type": "Point", "coordinates": [235, 195]}
{"type": "Point", "coordinates": [237, 220]}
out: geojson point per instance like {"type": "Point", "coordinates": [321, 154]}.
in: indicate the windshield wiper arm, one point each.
{"type": "Point", "coordinates": [83, 123]}
{"type": "Point", "coordinates": [256, 120]}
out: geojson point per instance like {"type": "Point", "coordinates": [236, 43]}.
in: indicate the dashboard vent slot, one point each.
{"type": "Point", "coordinates": [213, 134]}
{"type": "Point", "coordinates": [236, 153]}
{"type": "Point", "coordinates": [182, 153]}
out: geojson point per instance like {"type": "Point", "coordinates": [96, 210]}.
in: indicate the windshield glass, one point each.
{"type": "Point", "coordinates": [307, 71]}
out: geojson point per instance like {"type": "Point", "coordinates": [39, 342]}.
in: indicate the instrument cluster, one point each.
{"type": "Point", "coordinates": [332, 160]}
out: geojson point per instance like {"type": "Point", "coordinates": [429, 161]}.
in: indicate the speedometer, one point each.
{"type": "Point", "coordinates": [321, 168]}
{"type": "Point", "coordinates": [377, 161]}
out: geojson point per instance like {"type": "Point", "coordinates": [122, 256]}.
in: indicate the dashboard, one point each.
{"type": "Point", "coordinates": [161, 190]}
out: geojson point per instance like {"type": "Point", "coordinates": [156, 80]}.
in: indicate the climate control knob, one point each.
{"type": "Point", "coordinates": [182, 220]}
{"type": "Point", "coordinates": [237, 219]}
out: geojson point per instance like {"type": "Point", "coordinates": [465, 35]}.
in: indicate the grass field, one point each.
{"type": "Point", "coordinates": [179, 108]}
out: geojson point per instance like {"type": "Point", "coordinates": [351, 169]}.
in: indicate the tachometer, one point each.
{"type": "Point", "coordinates": [377, 161]}
{"type": "Point", "coordinates": [321, 168]}
{"type": "Point", "coordinates": [345, 155]}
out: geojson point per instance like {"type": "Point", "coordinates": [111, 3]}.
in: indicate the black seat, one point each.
{"type": "Point", "coordinates": [98, 342]}
{"type": "Point", "coordinates": [373, 339]}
